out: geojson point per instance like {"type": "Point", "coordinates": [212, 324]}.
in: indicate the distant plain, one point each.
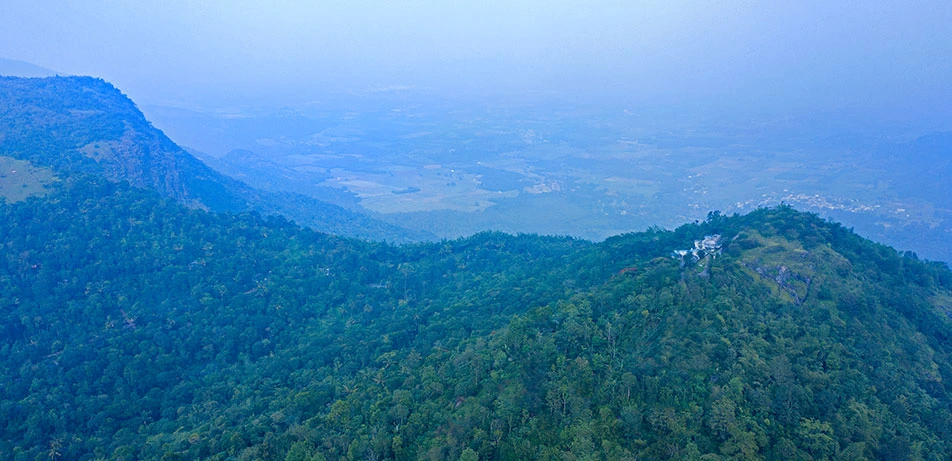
{"type": "Point", "coordinates": [458, 169]}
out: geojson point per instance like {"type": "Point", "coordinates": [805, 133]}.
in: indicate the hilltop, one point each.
{"type": "Point", "coordinates": [134, 327]}
{"type": "Point", "coordinates": [151, 308]}
{"type": "Point", "coordinates": [85, 126]}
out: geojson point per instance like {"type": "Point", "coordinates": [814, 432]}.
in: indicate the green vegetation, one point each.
{"type": "Point", "coordinates": [19, 179]}
{"type": "Point", "coordinates": [136, 328]}
{"type": "Point", "coordinates": [83, 125]}
{"type": "Point", "coordinates": [137, 324]}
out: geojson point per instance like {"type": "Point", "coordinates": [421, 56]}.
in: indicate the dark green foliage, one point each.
{"type": "Point", "coordinates": [136, 328]}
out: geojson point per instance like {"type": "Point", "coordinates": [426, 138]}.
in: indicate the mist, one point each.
{"type": "Point", "coordinates": [742, 58]}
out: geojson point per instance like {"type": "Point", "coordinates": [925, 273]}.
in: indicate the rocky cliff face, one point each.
{"type": "Point", "coordinates": [84, 125]}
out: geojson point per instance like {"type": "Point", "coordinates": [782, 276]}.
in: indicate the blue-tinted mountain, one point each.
{"type": "Point", "coordinates": [14, 68]}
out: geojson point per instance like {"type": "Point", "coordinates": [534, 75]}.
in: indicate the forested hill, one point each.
{"type": "Point", "coordinates": [84, 125]}
{"type": "Point", "coordinates": [136, 328]}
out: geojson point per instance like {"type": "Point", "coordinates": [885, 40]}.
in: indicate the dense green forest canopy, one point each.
{"type": "Point", "coordinates": [136, 328]}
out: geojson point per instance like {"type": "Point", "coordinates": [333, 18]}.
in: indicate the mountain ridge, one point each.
{"type": "Point", "coordinates": [85, 125]}
{"type": "Point", "coordinates": [137, 328]}
{"type": "Point", "coordinates": [134, 326]}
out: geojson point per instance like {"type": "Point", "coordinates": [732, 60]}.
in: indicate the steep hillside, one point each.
{"type": "Point", "coordinates": [135, 328]}
{"type": "Point", "coordinates": [83, 125]}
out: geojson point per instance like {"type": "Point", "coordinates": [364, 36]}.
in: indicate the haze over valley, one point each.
{"type": "Point", "coordinates": [585, 120]}
{"type": "Point", "coordinates": [458, 169]}
{"type": "Point", "coordinates": [428, 230]}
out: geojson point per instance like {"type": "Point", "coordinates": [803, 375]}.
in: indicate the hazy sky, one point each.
{"type": "Point", "coordinates": [771, 54]}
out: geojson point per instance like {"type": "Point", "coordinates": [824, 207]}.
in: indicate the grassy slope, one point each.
{"type": "Point", "coordinates": [19, 179]}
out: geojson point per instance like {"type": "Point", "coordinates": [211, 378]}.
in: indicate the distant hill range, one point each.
{"type": "Point", "coordinates": [84, 125]}
{"type": "Point", "coordinates": [14, 68]}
